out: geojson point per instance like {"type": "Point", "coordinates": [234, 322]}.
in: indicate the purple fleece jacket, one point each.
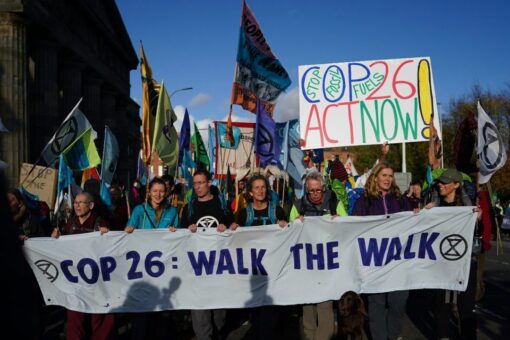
{"type": "Point", "coordinates": [387, 204]}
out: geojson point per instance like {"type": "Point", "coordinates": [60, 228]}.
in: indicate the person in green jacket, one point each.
{"type": "Point", "coordinates": [317, 200]}
{"type": "Point", "coordinates": [318, 320]}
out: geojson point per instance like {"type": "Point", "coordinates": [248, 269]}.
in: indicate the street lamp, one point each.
{"type": "Point", "coordinates": [179, 90]}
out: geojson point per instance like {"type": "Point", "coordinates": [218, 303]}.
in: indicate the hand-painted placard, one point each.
{"type": "Point", "coordinates": [367, 102]}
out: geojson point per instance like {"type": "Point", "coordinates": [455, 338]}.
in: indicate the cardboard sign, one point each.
{"type": "Point", "coordinates": [368, 102]}
{"type": "Point", "coordinates": [42, 182]}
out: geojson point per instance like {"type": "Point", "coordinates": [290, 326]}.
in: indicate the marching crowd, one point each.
{"type": "Point", "coordinates": [172, 206]}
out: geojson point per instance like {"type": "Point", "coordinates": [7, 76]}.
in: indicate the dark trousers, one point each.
{"type": "Point", "coordinates": [264, 321]}
{"type": "Point", "coordinates": [465, 305]}
{"type": "Point", "coordinates": [102, 326]}
{"type": "Point", "coordinates": [386, 323]}
{"type": "Point", "coordinates": [204, 321]}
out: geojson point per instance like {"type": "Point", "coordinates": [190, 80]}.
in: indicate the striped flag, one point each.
{"type": "Point", "coordinates": [69, 131]}
{"type": "Point", "coordinates": [82, 154]}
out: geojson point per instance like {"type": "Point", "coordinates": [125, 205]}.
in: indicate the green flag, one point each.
{"type": "Point", "coordinates": [165, 140]}
{"type": "Point", "coordinates": [199, 151]}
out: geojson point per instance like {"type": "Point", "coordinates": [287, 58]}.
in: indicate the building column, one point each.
{"type": "Point", "coordinates": [44, 105]}
{"type": "Point", "coordinates": [13, 94]}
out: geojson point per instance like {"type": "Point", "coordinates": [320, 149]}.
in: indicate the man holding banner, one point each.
{"type": "Point", "coordinates": [204, 211]}
{"type": "Point", "coordinates": [318, 321]}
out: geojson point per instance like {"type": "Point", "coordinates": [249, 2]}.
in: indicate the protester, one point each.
{"type": "Point", "coordinates": [157, 213]}
{"type": "Point", "coordinates": [93, 187]}
{"type": "Point", "coordinates": [206, 210]}
{"type": "Point", "coordinates": [27, 223]}
{"type": "Point", "coordinates": [136, 194]}
{"type": "Point", "coordinates": [452, 195]}
{"type": "Point", "coordinates": [382, 197]}
{"type": "Point", "coordinates": [413, 194]}
{"type": "Point", "coordinates": [262, 209]}
{"type": "Point", "coordinates": [102, 326]}
{"type": "Point", "coordinates": [119, 208]}
{"type": "Point", "coordinates": [318, 321]}
{"type": "Point", "coordinates": [169, 184]}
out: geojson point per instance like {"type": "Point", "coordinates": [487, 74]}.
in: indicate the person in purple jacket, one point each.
{"type": "Point", "coordinates": [382, 197]}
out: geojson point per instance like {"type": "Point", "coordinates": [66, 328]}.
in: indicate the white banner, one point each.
{"type": "Point", "coordinates": [367, 102]}
{"type": "Point", "coordinates": [308, 262]}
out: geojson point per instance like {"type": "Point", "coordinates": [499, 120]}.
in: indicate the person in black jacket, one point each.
{"type": "Point", "coordinates": [206, 210]}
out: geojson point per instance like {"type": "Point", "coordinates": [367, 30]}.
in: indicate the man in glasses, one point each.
{"type": "Point", "coordinates": [100, 326]}
{"type": "Point", "coordinates": [318, 321]}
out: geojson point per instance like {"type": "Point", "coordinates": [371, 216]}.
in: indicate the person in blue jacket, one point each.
{"type": "Point", "coordinates": [156, 213]}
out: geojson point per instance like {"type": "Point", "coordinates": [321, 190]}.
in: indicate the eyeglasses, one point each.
{"type": "Point", "coordinates": [81, 202]}
{"type": "Point", "coordinates": [314, 191]}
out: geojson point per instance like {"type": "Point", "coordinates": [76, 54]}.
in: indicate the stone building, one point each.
{"type": "Point", "coordinates": [52, 53]}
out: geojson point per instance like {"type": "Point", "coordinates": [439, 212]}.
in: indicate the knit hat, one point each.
{"type": "Point", "coordinates": [338, 171]}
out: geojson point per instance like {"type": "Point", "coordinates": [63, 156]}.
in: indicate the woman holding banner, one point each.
{"type": "Point", "coordinates": [262, 209]}
{"type": "Point", "coordinates": [382, 197]}
{"type": "Point", "coordinates": [157, 213]}
{"type": "Point", "coordinates": [451, 194]}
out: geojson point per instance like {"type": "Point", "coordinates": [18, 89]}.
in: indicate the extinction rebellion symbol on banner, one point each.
{"type": "Point", "coordinates": [453, 247]}
{"type": "Point", "coordinates": [48, 269]}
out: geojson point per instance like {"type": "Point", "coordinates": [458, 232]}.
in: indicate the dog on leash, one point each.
{"type": "Point", "coordinates": [351, 316]}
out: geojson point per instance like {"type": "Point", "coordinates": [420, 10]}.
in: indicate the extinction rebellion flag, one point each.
{"type": "Point", "coordinates": [258, 74]}
{"type": "Point", "coordinates": [491, 148]}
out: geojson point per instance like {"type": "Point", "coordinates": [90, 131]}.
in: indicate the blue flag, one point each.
{"type": "Point", "coordinates": [282, 138]}
{"type": "Point", "coordinates": [295, 165]}
{"type": "Point", "coordinates": [222, 136]}
{"type": "Point", "coordinates": [265, 137]}
{"type": "Point", "coordinates": [110, 156]}
{"type": "Point", "coordinates": [187, 163]}
{"type": "Point", "coordinates": [65, 175]}
{"type": "Point", "coordinates": [185, 136]}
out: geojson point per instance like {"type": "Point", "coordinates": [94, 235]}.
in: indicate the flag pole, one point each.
{"type": "Point", "coordinates": [499, 242]}
{"type": "Point", "coordinates": [47, 145]}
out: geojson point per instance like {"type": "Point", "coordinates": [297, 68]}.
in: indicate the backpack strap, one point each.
{"type": "Point", "coordinates": [249, 214]}
{"type": "Point", "coordinates": [271, 210]}
{"type": "Point", "coordinates": [148, 217]}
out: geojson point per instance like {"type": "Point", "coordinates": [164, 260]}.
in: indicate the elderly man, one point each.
{"type": "Point", "coordinates": [318, 319]}
{"type": "Point", "coordinates": [85, 221]}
